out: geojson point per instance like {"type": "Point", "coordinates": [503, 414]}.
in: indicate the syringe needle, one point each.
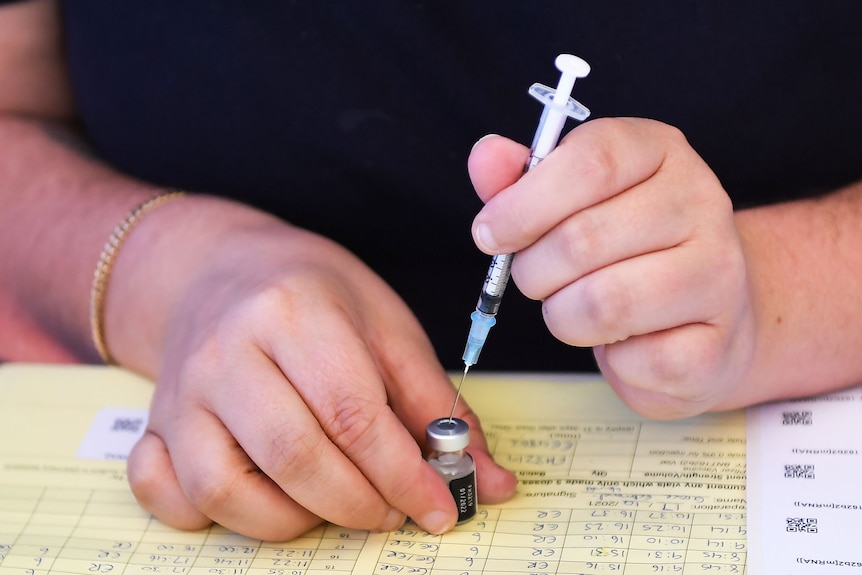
{"type": "Point", "coordinates": [458, 395]}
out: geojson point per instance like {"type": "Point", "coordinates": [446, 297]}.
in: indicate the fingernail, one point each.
{"type": "Point", "coordinates": [485, 238]}
{"type": "Point", "coordinates": [394, 520]}
{"type": "Point", "coordinates": [435, 522]}
{"type": "Point", "coordinates": [485, 137]}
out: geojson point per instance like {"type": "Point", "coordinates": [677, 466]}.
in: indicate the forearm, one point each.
{"type": "Point", "coordinates": [805, 267]}
{"type": "Point", "coordinates": [57, 208]}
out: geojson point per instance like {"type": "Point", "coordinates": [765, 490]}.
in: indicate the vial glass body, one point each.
{"type": "Point", "coordinates": [447, 439]}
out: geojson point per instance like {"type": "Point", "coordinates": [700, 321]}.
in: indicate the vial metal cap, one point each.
{"type": "Point", "coordinates": [447, 434]}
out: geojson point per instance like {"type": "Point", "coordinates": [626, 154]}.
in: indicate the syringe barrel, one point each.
{"type": "Point", "coordinates": [495, 284]}
{"type": "Point", "coordinates": [547, 134]}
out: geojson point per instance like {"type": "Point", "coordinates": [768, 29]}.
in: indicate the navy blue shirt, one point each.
{"type": "Point", "coordinates": [355, 119]}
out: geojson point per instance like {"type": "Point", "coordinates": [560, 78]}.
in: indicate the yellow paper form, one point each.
{"type": "Point", "coordinates": [602, 490]}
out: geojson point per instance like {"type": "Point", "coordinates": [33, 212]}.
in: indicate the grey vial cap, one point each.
{"type": "Point", "coordinates": [446, 434]}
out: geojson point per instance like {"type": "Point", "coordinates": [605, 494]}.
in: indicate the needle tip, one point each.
{"type": "Point", "coordinates": [458, 395]}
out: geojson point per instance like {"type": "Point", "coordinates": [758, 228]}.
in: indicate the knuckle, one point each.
{"type": "Point", "coordinates": [683, 367]}
{"type": "Point", "coordinates": [284, 301]}
{"type": "Point", "coordinates": [525, 275]}
{"type": "Point", "coordinates": [582, 240]}
{"type": "Point", "coordinates": [146, 487]}
{"type": "Point", "coordinates": [557, 325]}
{"type": "Point", "coordinates": [512, 222]}
{"type": "Point", "coordinates": [607, 307]}
{"type": "Point", "coordinates": [209, 492]}
{"type": "Point", "coordinates": [668, 367]}
{"type": "Point", "coordinates": [725, 281]}
{"type": "Point", "coordinates": [351, 423]}
{"type": "Point", "coordinates": [403, 491]}
{"type": "Point", "coordinates": [293, 454]}
{"type": "Point", "coordinates": [600, 315]}
{"type": "Point", "coordinates": [278, 306]}
{"type": "Point", "coordinates": [729, 263]}
{"type": "Point", "coordinates": [277, 300]}
{"type": "Point", "coordinates": [662, 382]}
{"type": "Point", "coordinates": [597, 165]}
{"type": "Point", "coordinates": [671, 133]}
{"type": "Point", "coordinates": [143, 474]}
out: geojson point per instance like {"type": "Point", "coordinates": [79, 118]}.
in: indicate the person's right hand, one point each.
{"type": "Point", "coordinates": [294, 387]}
{"type": "Point", "coordinates": [629, 240]}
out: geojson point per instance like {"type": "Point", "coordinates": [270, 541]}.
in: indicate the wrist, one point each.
{"type": "Point", "coordinates": [170, 253]}
{"type": "Point", "coordinates": [105, 265]}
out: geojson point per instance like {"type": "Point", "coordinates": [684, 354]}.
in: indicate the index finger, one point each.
{"type": "Point", "coordinates": [594, 162]}
{"type": "Point", "coordinates": [340, 382]}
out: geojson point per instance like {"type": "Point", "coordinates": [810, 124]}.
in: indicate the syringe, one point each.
{"type": "Point", "coordinates": [558, 106]}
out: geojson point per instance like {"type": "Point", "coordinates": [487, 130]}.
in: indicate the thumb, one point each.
{"type": "Point", "coordinates": [495, 163]}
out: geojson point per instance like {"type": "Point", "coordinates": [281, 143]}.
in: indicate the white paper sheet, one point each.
{"type": "Point", "coordinates": [804, 464]}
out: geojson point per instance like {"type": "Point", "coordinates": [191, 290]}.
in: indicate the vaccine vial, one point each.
{"type": "Point", "coordinates": [447, 438]}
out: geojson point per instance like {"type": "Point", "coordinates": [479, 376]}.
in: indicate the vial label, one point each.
{"type": "Point", "coordinates": [464, 491]}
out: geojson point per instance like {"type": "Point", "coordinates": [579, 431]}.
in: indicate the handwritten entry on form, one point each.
{"type": "Point", "coordinates": [602, 490]}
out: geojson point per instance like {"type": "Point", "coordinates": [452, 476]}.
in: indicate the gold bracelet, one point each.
{"type": "Point", "coordinates": [106, 264]}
